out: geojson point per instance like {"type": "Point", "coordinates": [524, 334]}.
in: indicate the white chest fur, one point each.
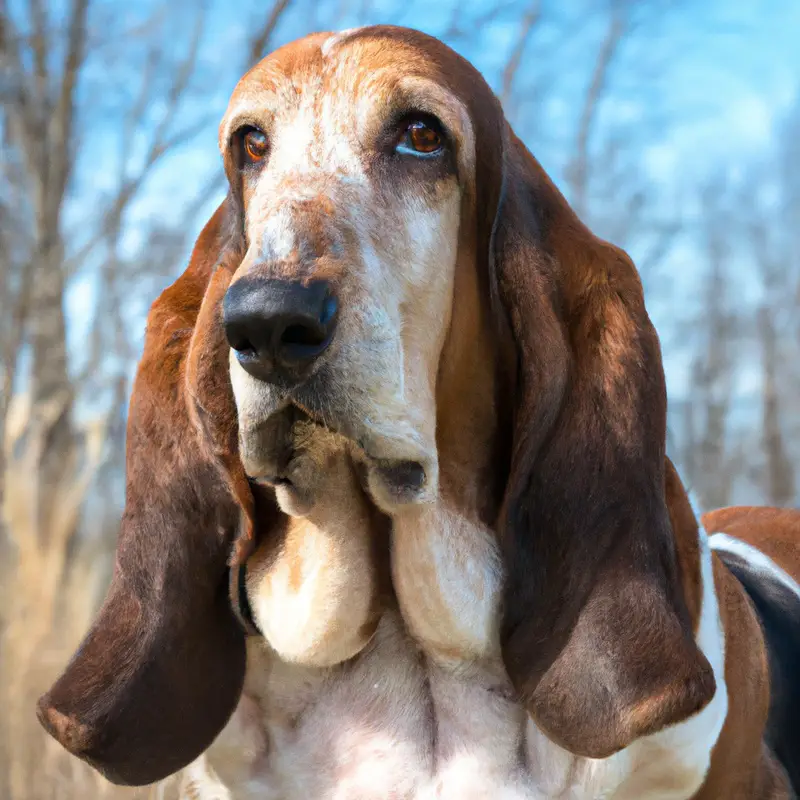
{"type": "Point", "coordinates": [389, 724]}
{"type": "Point", "coordinates": [411, 719]}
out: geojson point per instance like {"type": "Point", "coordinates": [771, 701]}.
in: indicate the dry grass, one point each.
{"type": "Point", "coordinates": [50, 586]}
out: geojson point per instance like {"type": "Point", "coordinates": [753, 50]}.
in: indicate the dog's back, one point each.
{"type": "Point", "coordinates": [743, 542]}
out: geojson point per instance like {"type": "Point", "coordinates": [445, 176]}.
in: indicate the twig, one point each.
{"type": "Point", "coordinates": [579, 171]}
{"type": "Point", "coordinates": [259, 42]}
{"type": "Point", "coordinates": [532, 16]}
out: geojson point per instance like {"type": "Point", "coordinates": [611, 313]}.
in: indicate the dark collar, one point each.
{"type": "Point", "coordinates": [240, 602]}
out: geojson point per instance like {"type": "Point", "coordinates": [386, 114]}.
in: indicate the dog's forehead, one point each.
{"type": "Point", "coordinates": [368, 62]}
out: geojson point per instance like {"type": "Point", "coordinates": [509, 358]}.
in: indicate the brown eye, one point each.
{"type": "Point", "coordinates": [255, 145]}
{"type": "Point", "coordinates": [421, 137]}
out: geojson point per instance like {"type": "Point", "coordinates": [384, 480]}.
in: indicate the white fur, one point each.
{"type": "Point", "coordinates": [393, 724]}
{"type": "Point", "coordinates": [313, 598]}
{"type": "Point", "coordinates": [336, 38]}
{"type": "Point", "coordinates": [278, 238]}
{"type": "Point", "coordinates": [386, 725]}
{"type": "Point", "coordinates": [448, 577]}
{"type": "Point", "coordinates": [200, 782]}
{"type": "Point", "coordinates": [761, 562]}
{"type": "Point", "coordinates": [318, 621]}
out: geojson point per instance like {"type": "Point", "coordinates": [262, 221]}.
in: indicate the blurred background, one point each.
{"type": "Point", "coordinates": [672, 126]}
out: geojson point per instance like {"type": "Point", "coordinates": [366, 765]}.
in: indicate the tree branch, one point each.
{"type": "Point", "coordinates": [17, 100]}
{"type": "Point", "coordinates": [260, 41]}
{"type": "Point", "coordinates": [532, 16]}
{"type": "Point", "coordinates": [64, 113]}
{"type": "Point", "coordinates": [40, 46]}
{"type": "Point", "coordinates": [579, 170]}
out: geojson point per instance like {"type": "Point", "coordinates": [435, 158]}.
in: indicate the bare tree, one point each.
{"type": "Point", "coordinates": [578, 169]}
{"type": "Point", "coordinates": [708, 449]}
{"type": "Point", "coordinates": [780, 475]}
{"type": "Point", "coordinates": [529, 20]}
{"type": "Point", "coordinates": [40, 116]}
{"type": "Point", "coordinates": [770, 209]}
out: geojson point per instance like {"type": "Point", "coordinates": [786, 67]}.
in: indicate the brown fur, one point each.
{"type": "Point", "coordinates": [165, 637]}
{"type": "Point", "coordinates": [741, 767]}
{"type": "Point", "coordinates": [687, 548]}
{"type": "Point", "coordinates": [594, 553]}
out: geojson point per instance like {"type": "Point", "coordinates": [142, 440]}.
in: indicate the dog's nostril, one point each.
{"type": "Point", "coordinates": [303, 334]}
{"type": "Point", "coordinates": [243, 345]}
{"type": "Point", "coordinates": [279, 328]}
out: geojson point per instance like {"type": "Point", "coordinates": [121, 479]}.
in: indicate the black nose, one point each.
{"type": "Point", "coordinates": [278, 328]}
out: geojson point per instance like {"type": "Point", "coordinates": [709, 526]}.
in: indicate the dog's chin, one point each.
{"type": "Point", "coordinates": [287, 451]}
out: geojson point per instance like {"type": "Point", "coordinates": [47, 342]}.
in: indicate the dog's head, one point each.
{"type": "Point", "coordinates": [353, 162]}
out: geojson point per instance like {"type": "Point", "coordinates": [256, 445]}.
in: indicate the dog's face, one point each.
{"type": "Point", "coordinates": [351, 163]}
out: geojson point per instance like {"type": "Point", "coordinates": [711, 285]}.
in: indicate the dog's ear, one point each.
{"type": "Point", "coordinates": [161, 669]}
{"type": "Point", "coordinates": [596, 634]}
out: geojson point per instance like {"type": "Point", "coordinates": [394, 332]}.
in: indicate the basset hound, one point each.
{"type": "Point", "coordinates": [402, 420]}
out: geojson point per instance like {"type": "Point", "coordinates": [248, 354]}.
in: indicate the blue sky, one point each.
{"type": "Point", "coordinates": [733, 68]}
{"type": "Point", "coordinates": [720, 76]}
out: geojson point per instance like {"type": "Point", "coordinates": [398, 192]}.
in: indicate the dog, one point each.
{"type": "Point", "coordinates": [400, 520]}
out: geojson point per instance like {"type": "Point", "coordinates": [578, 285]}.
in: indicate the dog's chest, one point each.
{"type": "Point", "coordinates": [388, 725]}
{"type": "Point", "coordinates": [392, 725]}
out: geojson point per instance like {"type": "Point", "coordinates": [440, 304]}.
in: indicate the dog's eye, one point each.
{"type": "Point", "coordinates": [421, 137]}
{"type": "Point", "coordinates": [256, 145]}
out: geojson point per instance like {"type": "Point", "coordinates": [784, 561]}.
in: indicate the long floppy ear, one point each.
{"type": "Point", "coordinates": [161, 669]}
{"type": "Point", "coordinates": [596, 635]}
